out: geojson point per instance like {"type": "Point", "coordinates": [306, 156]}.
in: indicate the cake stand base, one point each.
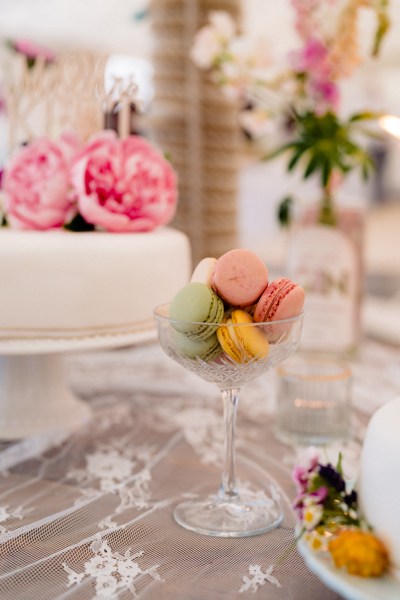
{"type": "Point", "coordinates": [34, 397]}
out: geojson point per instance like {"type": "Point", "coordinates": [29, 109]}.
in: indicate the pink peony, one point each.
{"type": "Point", "coordinates": [124, 185]}
{"type": "Point", "coordinates": [36, 183]}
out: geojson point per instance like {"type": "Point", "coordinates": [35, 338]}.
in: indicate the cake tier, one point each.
{"type": "Point", "coordinates": [63, 284]}
{"type": "Point", "coordinates": [379, 483]}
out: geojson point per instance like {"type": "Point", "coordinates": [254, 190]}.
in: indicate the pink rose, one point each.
{"type": "Point", "coordinates": [36, 184]}
{"type": "Point", "coordinates": [124, 185]}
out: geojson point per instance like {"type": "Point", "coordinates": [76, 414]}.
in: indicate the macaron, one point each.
{"type": "Point", "coordinates": [204, 349]}
{"type": "Point", "coordinates": [240, 339]}
{"type": "Point", "coordinates": [282, 299]}
{"type": "Point", "coordinates": [239, 277]}
{"type": "Point", "coordinates": [204, 271]}
{"type": "Point", "coordinates": [197, 310]}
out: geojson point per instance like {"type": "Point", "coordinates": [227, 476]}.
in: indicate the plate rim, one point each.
{"type": "Point", "coordinates": [344, 583]}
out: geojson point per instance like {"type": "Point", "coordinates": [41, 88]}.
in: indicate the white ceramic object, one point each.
{"type": "Point", "coordinates": [349, 586]}
{"type": "Point", "coordinates": [379, 482]}
{"type": "Point", "coordinates": [34, 397]}
{"type": "Point", "coordinates": [59, 284]}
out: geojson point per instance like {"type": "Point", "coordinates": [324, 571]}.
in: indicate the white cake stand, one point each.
{"type": "Point", "coordinates": [34, 395]}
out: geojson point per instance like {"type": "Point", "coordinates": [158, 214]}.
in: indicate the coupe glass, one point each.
{"type": "Point", "coordinates": [230, 512]}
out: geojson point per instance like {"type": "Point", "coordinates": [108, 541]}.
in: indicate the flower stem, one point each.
{"type": "Point", "coordinates": [228, 490]}
{"type": "Point", "coordinates": [327, 214]}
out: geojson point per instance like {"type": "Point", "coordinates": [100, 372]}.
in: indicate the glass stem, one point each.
{"type": "Point", "coordinates": [228, 491]}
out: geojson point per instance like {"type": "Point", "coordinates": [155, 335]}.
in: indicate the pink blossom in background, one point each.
{"type": "Point", "coordinates": [325, 93]}
{"type": "Point", "coordinates": [305, 21]}
{"type": "Point", "coordinates": [36, 185]}
{"type": "Point", "coordinates": [313, 58]}
{"type": "Point", "coordinates": [32, 50]}
{"type": "Point", "coordinates": [311, 16]}
{"type": "Point", "coordinates": [124, 185]}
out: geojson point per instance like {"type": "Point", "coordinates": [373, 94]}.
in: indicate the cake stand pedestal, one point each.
{"type": "Point", "coordinates": [35, 398]}
{"type": "Point", "coordinates": [34, 395]}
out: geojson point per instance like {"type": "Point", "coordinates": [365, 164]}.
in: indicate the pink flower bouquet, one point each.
{"type": "Point", "coordinates": [124, 185]}
{"type": "Point", "coordinates": [297, 101]}
{"type": "Point", "coordinates": [111, 184]}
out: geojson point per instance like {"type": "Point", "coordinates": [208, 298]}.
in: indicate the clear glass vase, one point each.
{"type": "Point", "coordinates": [325, 256]}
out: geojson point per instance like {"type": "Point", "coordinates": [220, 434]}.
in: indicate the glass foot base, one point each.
{"type": "Point", "coordinates": [239, 517]}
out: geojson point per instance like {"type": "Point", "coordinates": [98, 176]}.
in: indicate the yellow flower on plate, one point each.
{"type": "Point", "coordinates": [359, 552]}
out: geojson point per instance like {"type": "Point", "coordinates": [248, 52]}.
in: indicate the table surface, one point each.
{"type": "Point", "coordinates": [89, 514]}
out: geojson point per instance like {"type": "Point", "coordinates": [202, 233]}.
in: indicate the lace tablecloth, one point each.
{"type": "Point", "coordinates": [89, 515]}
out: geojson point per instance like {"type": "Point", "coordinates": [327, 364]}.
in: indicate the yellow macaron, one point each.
{"type": "Point", "coordinates": [240, 340]}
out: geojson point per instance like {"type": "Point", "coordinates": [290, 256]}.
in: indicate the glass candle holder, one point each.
{"type": "Point", "coordinates": [313, 401]}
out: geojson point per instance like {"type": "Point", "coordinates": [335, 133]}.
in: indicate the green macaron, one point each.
{"type": "Point", "coordinates": [196, 311]}
{"type": "Point", "coordinates": [205, 349]}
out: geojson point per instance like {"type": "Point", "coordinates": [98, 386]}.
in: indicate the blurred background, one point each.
{"type": "Point", "coordinates": [148, 43]}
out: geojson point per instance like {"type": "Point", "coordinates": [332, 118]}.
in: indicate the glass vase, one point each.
{"type": "Point", "coordinates": [325, 256]}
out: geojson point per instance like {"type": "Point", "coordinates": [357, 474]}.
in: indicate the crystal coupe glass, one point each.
{"type": "Point", "coordinates": [231, 512]}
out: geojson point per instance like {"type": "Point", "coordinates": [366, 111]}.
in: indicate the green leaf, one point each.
{"type": "Point", "coordinates": [313, 165]}
{"type": "Point", "coordinates": [326, 172]}
{"type": "Point", "coordinates": [382, 29]}
{"type": "Point", "coordinates": [284, 211]}
{"type": "Point", "coordinates": [365, 116]}
{"type": "Point", "coordinates": [328, 144]}
{"type": "Point", "coordinates": [339, 466]}
{"type": "Point", "coordinates": [78, 224]}
{"type": "Point", "coordinates": [295, 158]}
{"type": "Point", "coordinates": [280, 150]}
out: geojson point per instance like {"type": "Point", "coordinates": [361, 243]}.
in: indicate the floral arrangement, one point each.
{"type": "Point", "coordinates": [330, 520]}
{"type": "Point", "coordinates": [113, 184]}
{"type": "Point", "coordinates": [303, 98]}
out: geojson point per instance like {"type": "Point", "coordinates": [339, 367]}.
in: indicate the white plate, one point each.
{"type": "Point", "coordinates": [350, 586]}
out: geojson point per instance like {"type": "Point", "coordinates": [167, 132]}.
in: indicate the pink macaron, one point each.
{"type": "Point", "coordinates": [282, 299]}
{"type": "Point", "coordinates": [239, 277]}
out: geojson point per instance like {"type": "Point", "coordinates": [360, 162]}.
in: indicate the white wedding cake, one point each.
{"type": "Point", "coordinates": [60, 284]}
{"type": "Point", "coordinates": [379, 481]}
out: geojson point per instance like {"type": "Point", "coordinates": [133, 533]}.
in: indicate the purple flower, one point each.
{"type": "Point", "coordinates": [351, 499]}
{"type": "Point", "coordinates": [332, 477]}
